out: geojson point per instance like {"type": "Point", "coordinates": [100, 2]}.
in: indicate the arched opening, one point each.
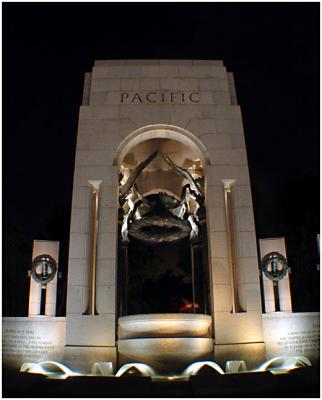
{"type": "Point", "coordinates": [162, 243]}
{"type": "Point", "coordinates": [162, 131]}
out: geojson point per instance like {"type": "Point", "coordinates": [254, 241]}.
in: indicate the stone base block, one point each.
{"type": "Point", "coordinates": [32, 340]}
{"type": "Point", "coordinates": [165, 325]}
{"type": "Point", "coordinates": [165, 355]}
{"type": "Point", "coordinates": [238, 328]}
{"type": "Point", "coordinates": [292, 334]}
{"type": "Point", "coordinates": [90, 330]}
{"type": "Point", "coordinates": [253, 354]}
{"type": "Point", "coordinates": [82, 358]}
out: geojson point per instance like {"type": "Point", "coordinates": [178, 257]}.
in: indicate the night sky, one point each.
{"type": "Point", "coordinates": [273, 51]}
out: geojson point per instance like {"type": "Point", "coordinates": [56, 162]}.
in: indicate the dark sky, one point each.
{"type": "Point", "coordinates": [272, 49]}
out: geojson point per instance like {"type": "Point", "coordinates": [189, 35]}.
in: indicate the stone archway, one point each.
{"type": "Point", "coordinates": [161, 131]}
{"type": "Point", "coordinates": [158, 178]}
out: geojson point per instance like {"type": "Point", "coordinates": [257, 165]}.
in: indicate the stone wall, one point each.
{"type": "Point", "coordinates": [111, 122]}
{"type": "Point", "coordinates": [32, 339]}
{"type": "Point", "coordinates": [292, 334]}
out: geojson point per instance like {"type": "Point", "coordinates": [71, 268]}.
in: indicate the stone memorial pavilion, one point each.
{"type": "Point", "coordinates": [164, 265]}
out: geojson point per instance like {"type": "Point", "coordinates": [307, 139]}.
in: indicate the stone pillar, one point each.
{"type": "Point", "coordinates": [235, 306]}
{"type": "Point", "coordinates": [51, 248]}
{"type": "Point", "coordinates": [281, 293]}
{"type": "Point", "coordinates": [123, 279]}
{"type": "Point", "coordinates": [90, 336]}
{"type": "Point", "coordinates": [239, 335]}
{"type": "Point", "coordinates": [91, 310]}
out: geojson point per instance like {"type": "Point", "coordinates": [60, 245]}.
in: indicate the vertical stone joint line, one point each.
{"type": "Point", "coordinates": [91, 310]}
{"type": "Point", "coordinates": [236, 308]}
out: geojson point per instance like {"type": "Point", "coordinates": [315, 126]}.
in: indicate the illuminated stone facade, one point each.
{"type": "Point", "coordinates": [193, 103]}
{"type": "Point", "coordinates": [187, 110]}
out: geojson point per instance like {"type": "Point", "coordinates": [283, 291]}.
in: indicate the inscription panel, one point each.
{"type": "Point", "coordinates": [292, 334]}
{"type": "Point", "coordinates": [159, 97]}
{"type": "Point", "coordinates": [32, 340]}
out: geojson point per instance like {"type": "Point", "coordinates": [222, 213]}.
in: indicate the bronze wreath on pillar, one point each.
{"type": "Point", "coordinates": [43, 269]}
{"type": "Point", "coordinates": [274, 266]}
